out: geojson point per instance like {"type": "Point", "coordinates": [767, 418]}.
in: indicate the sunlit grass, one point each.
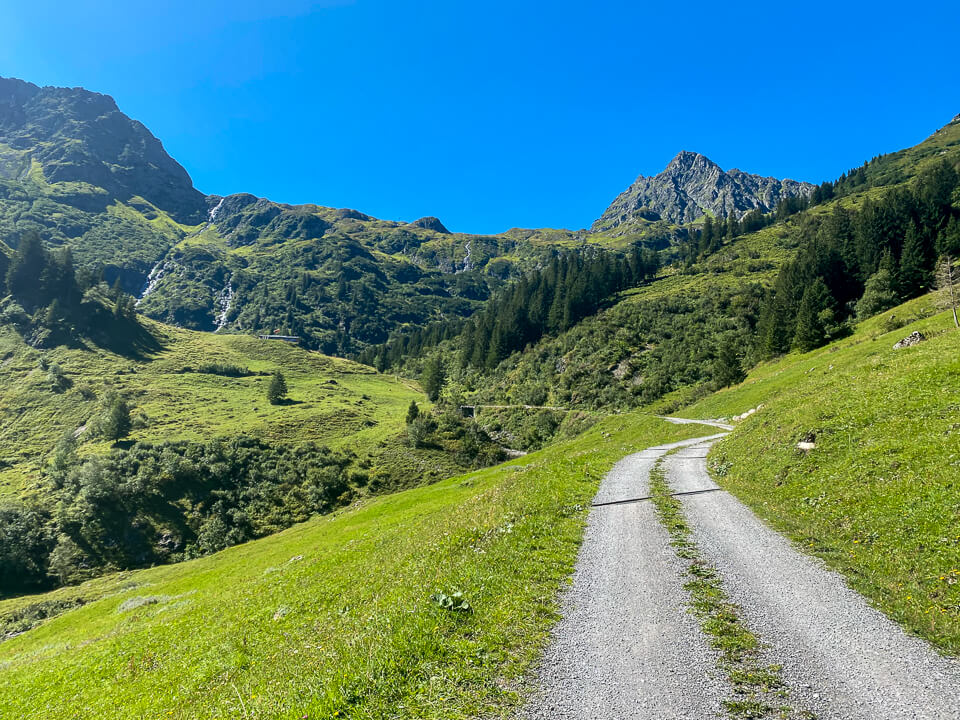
{"type": "Point", "coordinates": [334, 618]}
{"type": "Point", "coordinates": [336, 402]}
{"type": "Point", "coordinates": [879, 496]}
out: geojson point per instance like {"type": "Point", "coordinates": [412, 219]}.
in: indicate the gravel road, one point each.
{"type": "Point", "coordinates": [627, 647]}
{"type": "Point", "coordinates": [843, 659]}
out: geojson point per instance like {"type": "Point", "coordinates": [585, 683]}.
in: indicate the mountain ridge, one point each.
{"type": "Point", "coordinates": [78, 135]}
{"type": "Point", "coordinates": [691, 186]}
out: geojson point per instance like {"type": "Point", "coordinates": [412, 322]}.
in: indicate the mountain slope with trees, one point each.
{"type": "Point", "coordinates": [799, 282]}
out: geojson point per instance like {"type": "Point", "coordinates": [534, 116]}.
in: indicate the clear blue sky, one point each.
{"type": "Point", "coordinates": [496, 114]}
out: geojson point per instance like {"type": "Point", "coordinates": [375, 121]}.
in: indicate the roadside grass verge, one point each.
{"type": "Point", "coordinates": [878, 498]}
{"type": "Point", "coordinates": [343, 616]}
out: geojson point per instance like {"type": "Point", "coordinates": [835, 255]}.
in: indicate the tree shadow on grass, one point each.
{"type": "Point", "coordinates": [288, 401]}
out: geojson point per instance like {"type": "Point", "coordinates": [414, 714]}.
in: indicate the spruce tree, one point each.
{"type": "Point", "coordinates": [413, 412]}
{"type": "Point", "coordinates": [948, 242]}
{"type": "Point", "coordinates": [812, 317]}
{"type": "Point", "coordinates": [706, 235]}
{"type": "Point", "coordinates": [915, 264]}
{"type": "Point", "coordinates": [277, 390]}
{"type": "Point", "coordinates": [27, 269]}
{"type": "Point", "coordinates": [728, 368]}
{"type": "Point", "coordinates": [432, 377]}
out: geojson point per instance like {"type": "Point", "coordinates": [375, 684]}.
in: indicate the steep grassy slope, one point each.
{"type": "Point", "coordinates": [879, 496]}
{"type": "Point", "coordinates": [336, 402]}
{"type": "Point", "coordinates": [81, 173]}
{"type": "Point", "coordinates": [339, 617]}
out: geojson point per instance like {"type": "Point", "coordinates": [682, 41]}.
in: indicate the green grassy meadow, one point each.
{"type": "Point", "coordinates": [334, 401]}
{"type": "Point", "coordinates": [336, 617]}
{"type": "Point", "coordinates": [879, 497]}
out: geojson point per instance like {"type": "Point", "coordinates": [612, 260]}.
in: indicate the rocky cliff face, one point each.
{"type": "Point", "coordinates": [690, 187]}
{"type": "Point", "coordinates": [82, 136]}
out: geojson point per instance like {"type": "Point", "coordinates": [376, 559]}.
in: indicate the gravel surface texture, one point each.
{"type": "Point", "coordinates": [842, 659]}
{"type": "Point", "coordinates": [627, 647]}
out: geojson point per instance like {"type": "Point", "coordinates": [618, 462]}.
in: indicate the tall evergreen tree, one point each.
{"type": "Point", "coordinates": [813, 316]}
{"type": "Point", "coordinates": [27, 270]}
{"type": "Point", "coordinates": [277, 389]}
{"type": "Point", "coordinates": [413, 412]}
{"type": "Point", "coordinates": [915, 264]}
{"type": "Point", "coordinates": [432, 377]}
{"type": "Point", "coordinates": [728, 367]}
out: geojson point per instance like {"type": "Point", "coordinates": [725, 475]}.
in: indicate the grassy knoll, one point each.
{"type": "Point", "coordinates": [879, 496]}
{"type": "Point", "coordinates": [338, 617]}
{"type": "Point", "coordinates": [333, 401]}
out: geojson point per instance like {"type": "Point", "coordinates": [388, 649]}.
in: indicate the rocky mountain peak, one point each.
{"type": "Point", "coordinates": [686, 161]}
{"type": "Point", "coordinates": [691, 186]}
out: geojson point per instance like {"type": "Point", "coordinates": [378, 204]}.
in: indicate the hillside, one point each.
{"type": "Point", "coordinates": [175, 399]}
{"type": "Point", "coordinates": [735, 300]}
{"type": "Point", "coordinates": [124, 457]}
{"type": "Point", "coordinates": [350, 610]}
{"type": "Point", "coordinates": [877, 496]}
{"type": "Point", "coordinates": [358, 614]}
{"type": "Point", "coordinates": [79, 172]}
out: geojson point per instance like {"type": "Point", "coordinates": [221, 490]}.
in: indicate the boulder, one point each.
{"type": "Point", "coordinates": [914, 338]}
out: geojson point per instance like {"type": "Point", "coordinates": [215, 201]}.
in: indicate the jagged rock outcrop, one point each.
{"type": "Point", "coordinates": [430, 223]}
{"type": "Point", "coordinates": [691, 186]}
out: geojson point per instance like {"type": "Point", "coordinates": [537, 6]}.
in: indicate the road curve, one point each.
{"type": "Point", "coordinates": [843, 659]}
{"type": "Point", "coordinates": [627, 648]}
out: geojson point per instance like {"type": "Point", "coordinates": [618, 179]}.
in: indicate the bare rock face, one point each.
{"type": "Point", "coordinates": [914, 338]}
{"type": "Point", "coordinates": [691, 186]}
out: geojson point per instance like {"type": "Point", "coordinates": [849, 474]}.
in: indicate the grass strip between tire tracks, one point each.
{"type": "Point", "coordinates": [759, 690]}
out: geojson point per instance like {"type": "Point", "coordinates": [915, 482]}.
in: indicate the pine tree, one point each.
{"type": "Point", "coordinates": [277, 390]}
{"type": "Point", "coordinates": [812, 317]}
{"type": "Point", "coordinates": [914, 276]}
{"type": "Point", "coordinates": [413, 412]}
{"type": "Point", "coordinates": [948, 242]}
{"type": "Point", "coordinates": [728, 368]}
{"type": "Point", "coordinates": [27, 267]}
{"type": "Point", "coordinates": [706, 235]}
{"type": "Point", "coordinates": [432, 377]}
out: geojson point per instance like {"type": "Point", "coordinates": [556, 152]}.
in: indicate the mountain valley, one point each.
{"type": "Point", "coordinates": [316, 464]}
